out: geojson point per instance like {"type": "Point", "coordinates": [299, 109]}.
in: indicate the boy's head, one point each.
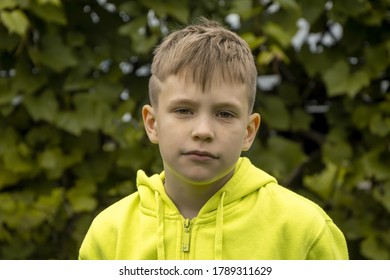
{"type": "Point", "coordinates": [202, 91]}
{"type": "Point", "coordinates": [204, 54]}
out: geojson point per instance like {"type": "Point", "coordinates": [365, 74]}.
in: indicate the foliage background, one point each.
{"type": "Point", "coordinates": [73, 76]}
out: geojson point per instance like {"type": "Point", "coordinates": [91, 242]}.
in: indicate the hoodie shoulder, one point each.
{"type": "Point", "coordinates": [102, 235]}
{"type": "Point", "coordinates": [321, 238]}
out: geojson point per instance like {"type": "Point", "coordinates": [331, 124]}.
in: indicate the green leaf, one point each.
{"type": "Point", "coordinates": [128, 158]}
{"type": "Point", "coordinates": [80, 228]}
{"type": "Point", "coordinates": [43, 107]}
{"type": "Point", "coordinates": [39, 136]}
{"type": "Point", "coordinates": [69, 122]}
{"type": "Point", "coordinates": [339, 81]}
{"type": "Point", "coordinates": [8, 42]}
{"type": "Point", "coordinates": [7, 177]}
{"type": "Point", "coordinates": [324, 182]}
{"type": "Point", "coordinates": [123, 188]}
{"type": "Point", "coordinates": [275, 53]}
{"type": "Point", "coordinates": [336, 148]}
{"type": "Point", "coordinates": [377, 59]}
{"type": "Point", "coordinates": [133, 26]}
{"type": "Point", "coordinates": [88, 143]}
{"type": "Point", "coordinates": [132, 8]}
{"type": "Point", "coordinates": [176, 9]}
{"type": "Point", "coordinates": [78, 79]}
{"type": "Point", "coordinates": [379, 124]}
{"type": "Point", "coordinates": [382, 194]}
{"type": "Point", "coordinates": [54, 161]}
{"type": "Point", "coordinates": [291, 94]}
{"type": "Point", "coordinates": [357, 227]}
{"type": "Point", "coordinates": [17, 249]}
{"type": "Point", "coordinates": [374, 17]}
{"type": "Point", "coordinates": [50, 11]}
{"type": "Point", "coordinates": [279, 33]}
{"type": "Point", "coordinates": [253, 41]}
{"type": "Point", "coordinates": [244, 8]}
{"type": "Point", "coordinates": [6, 95]}
{"type": "Point", "coordinates": [124, 107]}
{"type": "Point", "coordinates": [372, 248]}
{"type": "Point", "coordinates": [55, 54]}
{"type": "Point", "coordinates": [143, 44]}
{"type": "Point", "coordinates": [8, 4]}
{"type": "Point", "coordinates": [361, 116]}
{"type": "Point", "coordinates": [49, 204]}
{"type": "Point", "coordinates": [275, 149]}
{"type": "Point", "coordinates": [265, 58]}
{"type": "Point", "coordinates": [336, 77]}
{"type": "Point", "coordinates": [54, 2]}
{"type": "Point", "coordinates": [106, 92]}
{"type": "Point", "coordinates": [15, 21]}
{"type": "Point", "coordinates": [352, 7]}
{"type": "Point", "coordinates": [15, 162]}
{"type": "Point", "coordinates": [75, 39]}
{"type": "Point", "coordinates": [92, 113]}
{"type": "Point", "coordinates": [279, 54]}
{"type": "Point", "coordinates": [51, 159]}
{"type": "Point", "coordinates": [311, 9]}
{"type": "Point", "coordinates": [375, 164]}
{"type": "Point", "coordinates": [8, 140]}
{"type": "Point", "coordinates": [289, 5]}
{"type": "Point", "coordinates": [300, 120]}
{"type": "Point", "coordinates": [384, 106]}
{"type": "Point", "coordinates": [274, 112]}
{"type": "Point", "coordinates": [317, 63]}
{"type": "Point", "coordinates": [96, 169]}
{"type": "Point", "coordinates": [5, 235]}
{"type": "Point", "coordinates": [356, 82]}
{"type": "Point", "coordinates": [7, 203]}
{"type": "Point", "coordinates": [81, 196]}
{"type": "Point", "coordinates": [25, 80]}
{"type": "Point", "coordinates": [282, 25]}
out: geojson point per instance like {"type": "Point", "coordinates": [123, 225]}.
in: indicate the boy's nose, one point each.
{"type": "Point", "coordinates": [203, 130]}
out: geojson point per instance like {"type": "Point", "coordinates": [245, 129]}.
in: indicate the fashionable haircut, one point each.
{"type": "Point", "coordinates": [206, 54]}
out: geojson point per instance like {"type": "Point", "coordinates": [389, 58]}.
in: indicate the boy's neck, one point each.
{"type": "Point", "coordinates": [190, 198]}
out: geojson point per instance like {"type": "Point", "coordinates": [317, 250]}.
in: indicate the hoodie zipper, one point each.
{"type": "Point", "coordinates": [186, 236]}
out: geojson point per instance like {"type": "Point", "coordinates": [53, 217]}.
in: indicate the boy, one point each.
{"type": "Point", "coordinates": [208, 203]}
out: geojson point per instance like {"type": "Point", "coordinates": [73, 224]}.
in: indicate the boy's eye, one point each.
{"type": "Point", "coordinates": [183, 111]}
{"type": "Point", "coordinates": [225, 115]}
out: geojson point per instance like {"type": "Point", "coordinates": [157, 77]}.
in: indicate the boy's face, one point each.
{"type": "Point", "coordinates": [200, 134]}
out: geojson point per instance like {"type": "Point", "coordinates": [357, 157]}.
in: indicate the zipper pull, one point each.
{"type": "Point", "coordinates": [186, 236]}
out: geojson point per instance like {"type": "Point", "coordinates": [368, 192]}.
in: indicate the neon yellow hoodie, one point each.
{"type": "Point", "coordinates": [251, 217]}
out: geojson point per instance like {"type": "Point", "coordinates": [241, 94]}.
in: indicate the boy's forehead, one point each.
{"type": "Point", "coordinates": [179, 88]}
{"type": "Point", "coordinates": [187, 80]}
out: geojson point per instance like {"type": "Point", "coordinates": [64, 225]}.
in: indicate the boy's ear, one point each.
{"type": "Point", "coordinates": [150, 123]}
{"type": "Point", "coordinates": [251, 130]}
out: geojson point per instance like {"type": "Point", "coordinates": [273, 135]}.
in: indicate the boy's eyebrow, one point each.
{"type": "Point", "coordinates": [229, 105]}
{"type": "Point", "coordinates": [218, 105]}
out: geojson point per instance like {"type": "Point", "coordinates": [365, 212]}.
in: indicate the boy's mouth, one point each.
{"type": "Point", "coordinates": [200, 154]}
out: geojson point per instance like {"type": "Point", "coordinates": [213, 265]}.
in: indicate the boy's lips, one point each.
{"type": "Point", "coordinates": [197, 153]}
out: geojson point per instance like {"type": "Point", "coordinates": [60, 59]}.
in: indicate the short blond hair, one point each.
{"type": "Point", "coordinates": [204, 53]}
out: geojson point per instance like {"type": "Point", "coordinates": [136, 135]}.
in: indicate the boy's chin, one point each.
{"type": "Point", "coordinates": [204, 180]}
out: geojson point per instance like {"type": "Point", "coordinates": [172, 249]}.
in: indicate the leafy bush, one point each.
{"type": "Point", "coordinates": [73, 77]}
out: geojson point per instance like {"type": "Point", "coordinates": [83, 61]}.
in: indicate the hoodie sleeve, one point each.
{"type": "Point", "coordinates": [330, 244]}
{"type": "Point", "coordinates": [100, 240]}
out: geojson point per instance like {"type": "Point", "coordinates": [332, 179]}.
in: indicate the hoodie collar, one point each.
{"type": "Point", "coordinates": [245, 180]}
